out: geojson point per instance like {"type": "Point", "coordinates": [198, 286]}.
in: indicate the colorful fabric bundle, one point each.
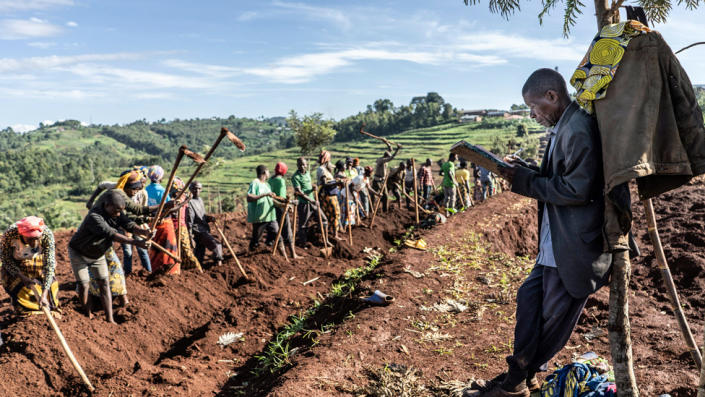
{"type": "Point", "coordinates": [577, 380]}
{"type": "Point", "coordinates": [598, 67]}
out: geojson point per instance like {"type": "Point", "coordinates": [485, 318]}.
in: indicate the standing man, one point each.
{"type": "Point", "coordinates": [486, 181]}
{"type": "Point", "coordinates": [570, 264]}
{"type": "Point", "coordinates": [197, 224]}
{"type": "Point", "coordinates": [277, 184]}
{"type": "Point", "coordinates": [92, 240]}
{"type": "Point", "coordinates": [462, 176]}
{"type": "Point", "coordinates": [381, 172]}
{"type": "Point", "coordinates": [426, 182]}
{"type": "Point", "coordinates": [260, 210]}
{"type": "Point", "coordinates": [303, 190]}
{"type": "Point", "coordinates": [395, 181]}
{"type": "Point", "coordinates": [450, 186]}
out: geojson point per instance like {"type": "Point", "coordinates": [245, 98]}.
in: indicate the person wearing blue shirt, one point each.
{"type": "Point", "coordinates": [155, 191]}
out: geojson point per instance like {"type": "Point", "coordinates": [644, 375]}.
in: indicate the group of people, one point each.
{"type": "Point", "coordinates": [342, 194]}
{"type": "Point", "coordinates": [124, 212]}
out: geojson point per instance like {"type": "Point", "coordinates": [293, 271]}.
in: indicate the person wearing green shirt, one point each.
{"type": "Point", "coordinates": [260, 210]}
{"type": "Point", "coordinates": [449, 184]}
{"type": "Point", "coordinates": [278, 185]}
{"type": "Point", "coordinates": [303, 190]}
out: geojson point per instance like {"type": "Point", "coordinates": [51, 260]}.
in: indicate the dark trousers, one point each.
{"type": "Point", "coordinates": [377, 185]}
{"type": "Point", "coordinates": [205, 240]}
{"type": "Point", "coordinates": [545, 319]}
{"type": "Point", "coordinates": [306, 212]}
{"type": "Point", "coordinates": [259, 228]}
{"type": "Point", "coordinates": [286, 230]}
{"type": "Point", "coordinates": [408, 188]}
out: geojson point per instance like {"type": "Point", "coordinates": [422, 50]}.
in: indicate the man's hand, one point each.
{"type": "Point", "coordinates": [508, 172]}
{"type": "Point", "coordinates": [169, 205]}
{"type": "Point", "coordinates": [142, 232]}
{"type": "Point", "coordinates": [515, 160]}
{"type": "Point", "coordinates": [142, 243]}
{"type": "Point", "coordinates": [210, 218]}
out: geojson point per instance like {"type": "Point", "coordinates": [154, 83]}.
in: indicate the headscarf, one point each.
{"type": "Point", "coordinates": [129, 179]}
{"type": "Point", "coordinates": [177, 185]}
{"type": "Point", "coordinates": [31, 226]}
{"type": "Point", "coordinates": [368, 170]}
{"type": "Point", "coordinates": [324, 157]}
{"type": "Point", "coordinates": [356, 162]}
{"type": "Point", "coordinates": [156, 173]}
{"type": "Point", "coordinates": [280, 169]}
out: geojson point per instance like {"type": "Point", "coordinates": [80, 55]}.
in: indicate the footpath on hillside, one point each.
{"type": "Point", "coordinates": [305, 331]}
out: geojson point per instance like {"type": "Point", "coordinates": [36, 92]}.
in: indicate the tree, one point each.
{"type": "Point", "coordinates": [522, 130]}
{"type": "Point", "coordinates": [520, 106]}
{"type": "Point", "coordinates": [311, 132]}
{"type": "Point", "coordinates": [606, 12]}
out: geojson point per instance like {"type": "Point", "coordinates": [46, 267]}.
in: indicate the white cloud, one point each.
{"type": "Point", "coordinates": [17, 29]}
{"type": "Point", "coordinates": [248, 16]}
{"type": "Point", "coordinates": [42, 44]}
{"type": "Point", "coordinates": [332, 15]}
{"type": "Point", "coordinates": [34, 64]}
{"type": "Point", "coordinates": [303, 68]}
{"type": "Point", "coordinates": [105, 74]}
{"type": "Point", "coordinates": [22, 128]}
{"type": "Point", "coordinates": [202, 68]}
{"type": "Point", "coordinates": [71, 24]}
{"type": "Point", "coordinates": [520, 46]}
{"type": "Point", "coordinates": [26, 5]}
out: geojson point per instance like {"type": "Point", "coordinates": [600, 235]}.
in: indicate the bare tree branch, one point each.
{"type": "Point", "coordinates": [692, 45]}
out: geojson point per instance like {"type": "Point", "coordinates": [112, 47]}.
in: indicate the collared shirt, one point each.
{"type": "Point", "coordinates": [546, 256]}
{"type": "Point", "coordinates": [425, 176]}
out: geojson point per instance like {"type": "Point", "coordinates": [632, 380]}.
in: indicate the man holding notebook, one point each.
{"type": "Point", "coordinates": [570, 264]}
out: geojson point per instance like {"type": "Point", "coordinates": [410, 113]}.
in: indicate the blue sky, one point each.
{"type": "Point", "coordinates": [117, 61]}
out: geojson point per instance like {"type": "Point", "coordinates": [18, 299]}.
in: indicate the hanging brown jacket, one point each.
{"type": "Point", "coordinates": [651, 126]}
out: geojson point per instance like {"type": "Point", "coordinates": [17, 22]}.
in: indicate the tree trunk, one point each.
{"type": "Point", "coordinates": [605, 14]}
{"type": "Point", "coordinates": [618, 325]}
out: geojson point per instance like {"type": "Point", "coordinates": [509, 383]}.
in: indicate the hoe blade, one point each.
{"type": "Point", "coordinates": [234, 139]}
{"type": "Point", "coordinates": [194, 156]}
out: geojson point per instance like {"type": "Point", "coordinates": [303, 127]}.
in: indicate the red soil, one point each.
{"type": "Point", "coordinates": [165, 342]}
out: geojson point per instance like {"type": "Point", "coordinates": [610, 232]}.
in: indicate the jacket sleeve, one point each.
{"type": "Point", "coordinates": [190, 215]}
{"type": "Point", "coordinates": [576, 183]}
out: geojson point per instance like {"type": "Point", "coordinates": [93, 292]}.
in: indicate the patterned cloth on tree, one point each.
{"type": "Point", "coordinates": [597, 69]}
{"type": "Point", "coordinates": [116, 278]}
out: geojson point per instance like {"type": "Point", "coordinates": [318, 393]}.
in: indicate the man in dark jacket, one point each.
{"type": "Point", "coordinates": [570, 264]}
{"type": "Point", "coordinates": [197, 224]}
{"type": "Point", "coordinates": [93, 238]}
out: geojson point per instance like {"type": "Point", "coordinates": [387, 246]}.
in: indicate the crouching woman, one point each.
{"type": "Point", "coordinates": [28, 260]}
